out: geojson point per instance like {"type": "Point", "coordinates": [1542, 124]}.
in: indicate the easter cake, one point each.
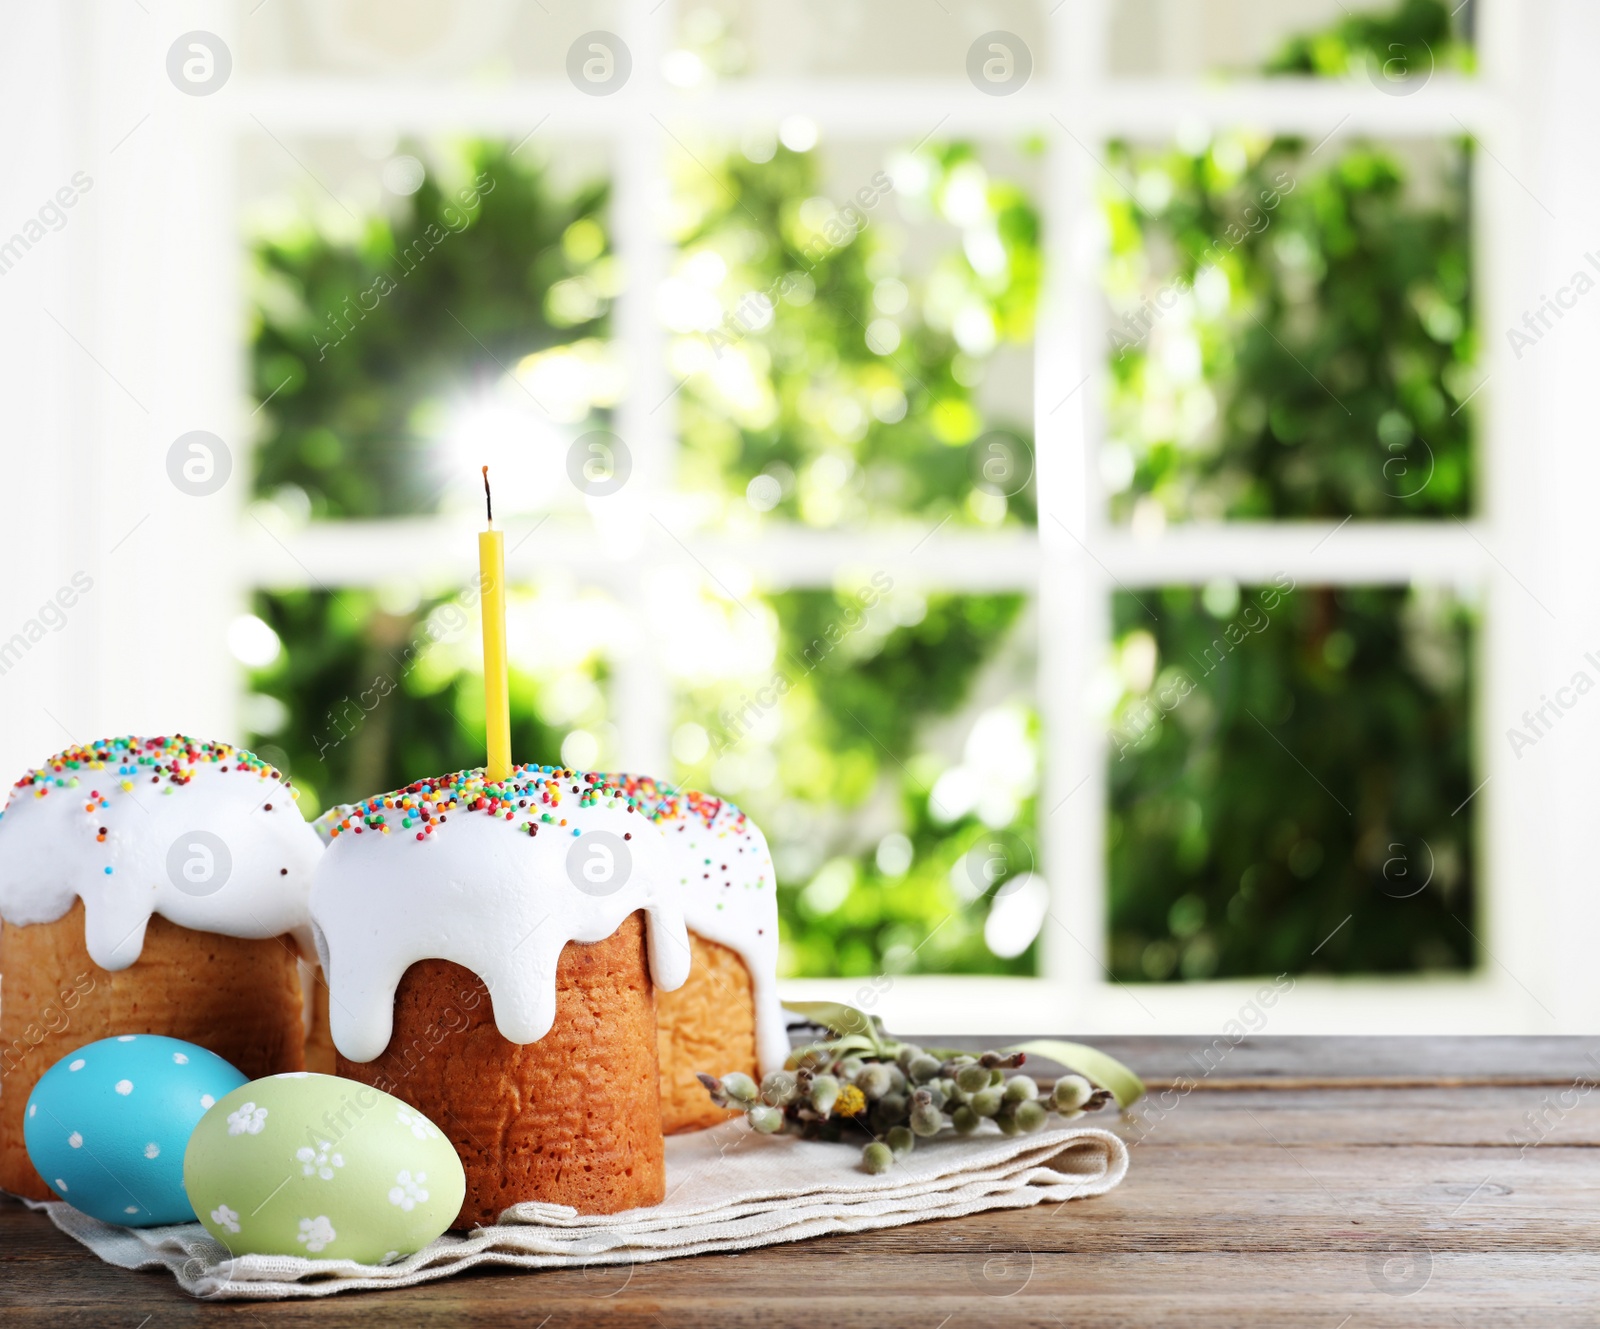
{"type": "Point", "coordinates": [534, 965]}
{"type": "Point", "coordinates": [477, 971]}
{"type": "Point", "coordinates": [149, 885]}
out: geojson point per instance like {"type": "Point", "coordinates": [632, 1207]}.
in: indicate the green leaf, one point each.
{"type": "Point", "coordinates": [843, 1047]}
{"type": "Point", "coordinates": [835, 1015]}
{"type": "Point", "coordinates": [853, 1043]}
{"type": "Point", "coordinates": [1107, 1072]}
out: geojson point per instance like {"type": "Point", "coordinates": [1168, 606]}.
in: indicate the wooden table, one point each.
{"type": "Point", "coordinates": [1300, 1182]}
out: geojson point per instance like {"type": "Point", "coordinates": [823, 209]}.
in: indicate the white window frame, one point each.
{"type": "Point", "coordinates": [152, 280]}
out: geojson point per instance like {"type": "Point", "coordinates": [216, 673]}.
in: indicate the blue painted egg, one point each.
{"type": "Point", "coordinates": [107, 1126]}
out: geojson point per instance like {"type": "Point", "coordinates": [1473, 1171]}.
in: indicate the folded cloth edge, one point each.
{"type": "Point", "coordinates": [1017, 1177]}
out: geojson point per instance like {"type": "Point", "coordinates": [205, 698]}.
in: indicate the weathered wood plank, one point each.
{"type": "Point", "coordinates": [1217, 1059]}
{"type": "Point", "coordinates": [978, 1286]}
{"type": "Point", "coordinates": [1514, 1120]}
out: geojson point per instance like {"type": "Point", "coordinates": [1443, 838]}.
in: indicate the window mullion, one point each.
{"type": "Point", "coordinates": [1073, 607]}
{"type": "Point", "coordinates": [641, 691]}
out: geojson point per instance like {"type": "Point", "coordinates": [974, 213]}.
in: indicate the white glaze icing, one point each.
{"type": "Point", "coordinates": [481, 891]}
{"type": "Point", "coordinates": [724, 870]}
{"type": "Point", "coordinates": [148, 796]}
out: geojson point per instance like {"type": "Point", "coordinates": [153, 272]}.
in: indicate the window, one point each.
{"type": "Point", "coordinates": [1130, 541]}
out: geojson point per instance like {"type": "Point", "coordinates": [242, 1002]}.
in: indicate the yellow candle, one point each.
{"type": "Point", "coordinates": [496, 702]}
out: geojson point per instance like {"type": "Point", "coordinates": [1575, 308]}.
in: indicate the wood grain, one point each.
{"type": "Point", "coordinates": [1272, 1203]}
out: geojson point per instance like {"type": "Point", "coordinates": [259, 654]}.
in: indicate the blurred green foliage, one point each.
{"type": "Point", "coordinates": [1412, 40]}
{"type": "Point", "coordinates": [816, 354]}
{"type": "Point", "coordinates": [1286, 760]}
{"type": "Point", "coordinates": [1288, 773]}
{"type": "Point", "coordinates": [359, 347]}
{"type": "Point", "coordinates": [892, 830]}
{"type": "Point", "coordinates": [1292, 332]}
{"type": "Point", "coordinates": [846, 379]}
{"type": "Point", "coordinates": [855, 762]}
{"type": "Point", "coordinates": [374, 696]}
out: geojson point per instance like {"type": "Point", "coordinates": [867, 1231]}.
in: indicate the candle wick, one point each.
{"type": "Point", "coordinates": [488, 498]}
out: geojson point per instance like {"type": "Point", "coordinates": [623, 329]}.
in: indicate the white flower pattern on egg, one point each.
{"type": "Point", "coordinates": [152, 1150]}
{"type": "Point", "coordinates": [75, 1140]}
{"type": "Point", "coordinates": [124, 1087]}
{"type": "Point", "coordinates": [180, 1058]}
{"type": "Point", "coordinates": [316, 1233]}
{"type": "Point", "coordinates": [78, 1065]}
{"type": "Point", "coordinates": [225, 1217]}
{"type": "Point", "coordinates": [420, 1126]}
{"type": "Point", "coordinates": [207, 1102]}
{"type": "Point", "coordinates": [247, 1119]}
{"type": "Point", "coordinates": [318, 1162]}
{"type": "Point", "coordinates": [409, 1190]}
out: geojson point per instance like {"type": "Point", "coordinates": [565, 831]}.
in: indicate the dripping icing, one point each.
{"type": "Point", "coordinates": [108, 823]}
{"type": "Point", "coordinates": [444, 849]}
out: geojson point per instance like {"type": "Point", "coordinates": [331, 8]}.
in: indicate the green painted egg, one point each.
{"type": "Point", "coordinates": [323, 1167]}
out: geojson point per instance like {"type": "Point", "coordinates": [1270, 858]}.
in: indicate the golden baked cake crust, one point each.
{"type": "Point", "coordinates": [321, 1059]}
{"type": "Point", "coordinates": [238, 997]}
{"type": "Point", "coordinates": [574, 1118]}
{"type": "Point", "coordinates": [708, 1024]}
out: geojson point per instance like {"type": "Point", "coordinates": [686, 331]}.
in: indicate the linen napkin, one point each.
{"type": "Point", "coordinates": [728, 1189]}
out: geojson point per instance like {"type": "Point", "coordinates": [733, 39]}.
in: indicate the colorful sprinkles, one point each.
{"type": "Point", "coordinates": [112, 764]}
{"type": "Point", "coordinates": [530, 798]}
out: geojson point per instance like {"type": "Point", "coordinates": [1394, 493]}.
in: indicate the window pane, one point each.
{"type": "Point", "coordinates": [417, 311]}
{"type": "Point", "coordinates": [852, 327]}
{"type": "Point", "coordinates": [1291, 778]}
{"type": "Point", "coordinates": [1326, 37]}
{"type": "Point", "coordinates": [863, 39]}
{"type": "Point", "coordinates": [1291, 330]}
{"type": "Point", "coordinates": [485, 41]}
{"type": "Point", "coordinates": [354, 692]}
{"type": "Point", "coordinates": [886, 741]}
